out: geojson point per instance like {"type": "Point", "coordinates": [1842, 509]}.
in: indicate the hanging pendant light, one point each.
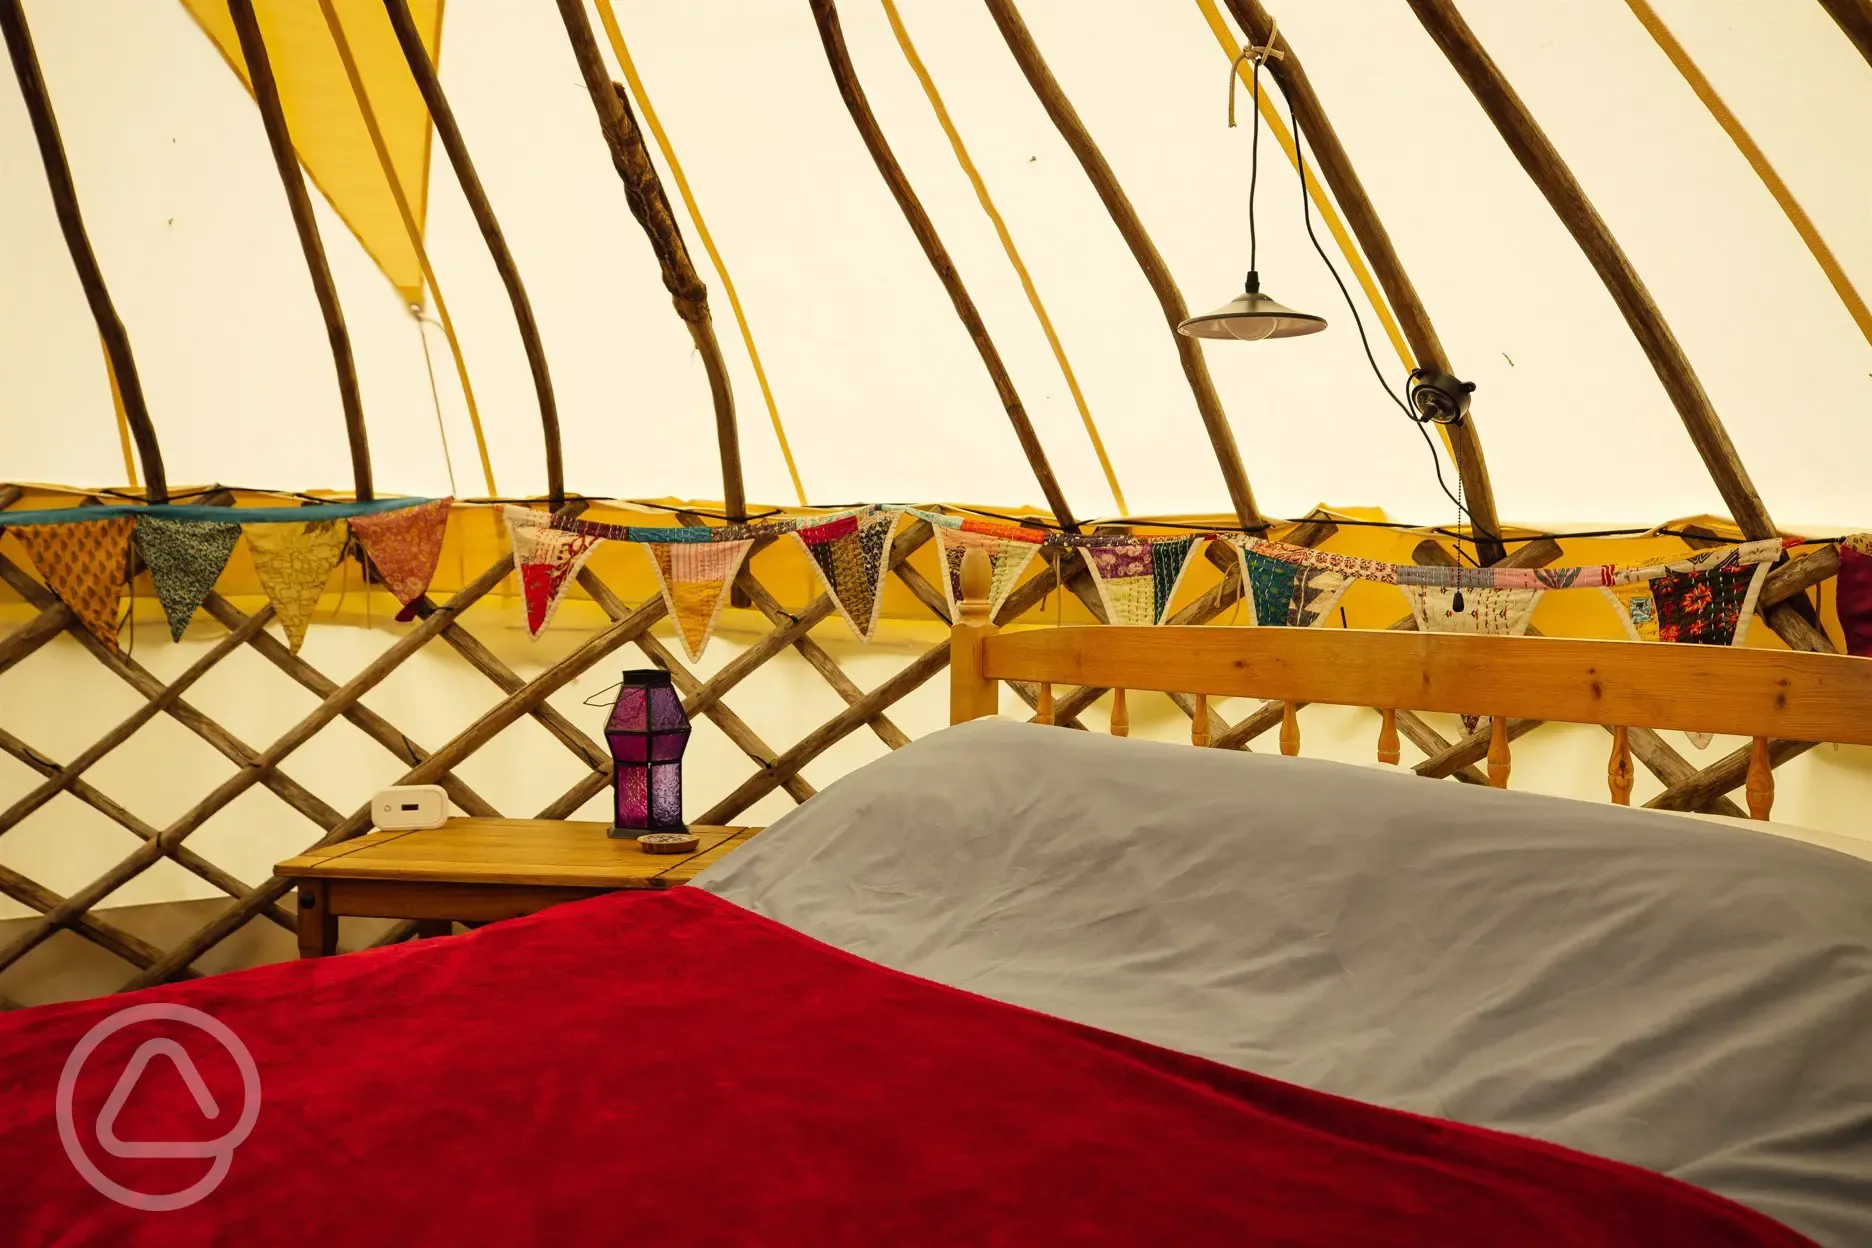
{"type": "Point", "coordinates": [1251, 316]}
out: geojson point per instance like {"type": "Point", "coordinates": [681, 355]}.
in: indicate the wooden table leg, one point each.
{"type": "Point", "coordinates": [427, 928]}
{"type": "Point", "coordinates": [318, 926]}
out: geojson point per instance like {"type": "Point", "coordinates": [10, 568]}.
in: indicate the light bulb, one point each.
{"type": "Point", "coordinates": [1253, 328]}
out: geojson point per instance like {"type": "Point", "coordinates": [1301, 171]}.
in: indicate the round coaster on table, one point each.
{"type": "Point", "coordinates": [668, 842]}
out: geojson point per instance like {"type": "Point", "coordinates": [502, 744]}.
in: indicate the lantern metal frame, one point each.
{"type": "Point", "coordinates": [640, 745]}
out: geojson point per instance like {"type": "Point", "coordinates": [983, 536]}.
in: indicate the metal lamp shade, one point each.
{"type": "Point", "coordinates": [647, 733]}
{"type": "Point", "coordinates": [1251, 317]}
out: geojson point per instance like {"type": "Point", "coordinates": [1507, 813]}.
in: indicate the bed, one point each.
{"type": "Point", "coordinates": [1017, 984]}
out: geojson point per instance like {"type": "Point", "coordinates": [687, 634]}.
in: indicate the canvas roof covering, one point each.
{"type": "Point", "coordinates": [876, 384]}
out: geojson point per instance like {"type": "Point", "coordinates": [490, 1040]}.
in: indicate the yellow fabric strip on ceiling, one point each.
{"type": "Point", "coordinates": [1758, 160]}
{"type": "Point", "coordinates": [615, 34]}
{"type": "Point", "coordinates": [412, 230]}
{"type": "Point", "coordinates": [1007, 243]}
{"type": "Point", "coordinates": [328, 131]}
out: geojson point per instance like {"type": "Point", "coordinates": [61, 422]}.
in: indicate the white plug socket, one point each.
{"type": "Point", "coordinates": [410, 807]}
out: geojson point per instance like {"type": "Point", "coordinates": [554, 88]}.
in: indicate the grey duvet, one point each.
{"type": "Point", "coordinates": [1691, 998]}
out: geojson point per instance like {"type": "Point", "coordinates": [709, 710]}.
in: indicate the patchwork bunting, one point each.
{"type": "Point", "coordinates": [1170, 558]}
{"type": "Point", "coordinates": [1704, 597]}
{"type": "Point", "coordinates": [293, 561]}
{"type": "Point", "coordinates": [1637, 611]}
{"type": "Point", "coordinates": [1137, 578]}
{"type": "Point", "coordinates": [547, 559]}
{"type": "Point", "coordinates": [1126, 578]}
{"type": "Point", "coordinates": [1497, 612]}
{"type": "Point", "coordinates": [1000, 528]}
{"type": "Point", "coordinates": [1749, 554]}
{"type": "Point", "coordinates": [1855, 593]}
{"type": "Point", "coordinates": [851, 555]}
{"type": "Point", "coordinates": [1350, 565]}
{"type": "Point", "coordinates": [695, 578]}
{"type": "Point", "coordinates": [1446, 578]}
{"type": "Point", "coordinates": [1485, 609]}
{"type": "Point", "coordinates": [404, 545]}
{"type": "Point", "coordinates": [84, 564]}
{"type": "Point", "coordinates": [1290, 595]}
{"type": "Point", "coordinates": [1710, 608]}
{"type": "Point", "coordinates": [1007, 561]}
{"type": "Point", "coordinates": [185, 559]}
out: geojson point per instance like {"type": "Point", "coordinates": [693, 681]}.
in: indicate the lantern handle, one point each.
{"type": "Point", "coordinates": [602, 692]}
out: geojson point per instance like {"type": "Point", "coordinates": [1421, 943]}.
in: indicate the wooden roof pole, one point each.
{"type": "Point", "coordinates": [1335, 168]}
{"type": "Point", "coordinates": [71, 222]}
{"type": "Point", "coordinates": [825, 13]}
{"type": "Point", "coordinates": [1066, 120]}
{"type": "Point", "coordinates": [305, 225]}
{"type": "Point", "coordinates": [643, 192]}
{"type": "Point", "coordinates": [1854, 18]}
{"type": "Point", "coordinates": [1544, 165]}
{"type": "Point", "coordinates": [427, 82]}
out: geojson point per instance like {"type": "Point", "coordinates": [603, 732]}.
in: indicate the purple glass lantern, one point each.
{"type": "Point", "coordinates": [647, 733]}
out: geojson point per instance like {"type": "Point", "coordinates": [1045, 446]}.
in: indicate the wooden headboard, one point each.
{"type": "Point", "coordinates": [1760, 694]}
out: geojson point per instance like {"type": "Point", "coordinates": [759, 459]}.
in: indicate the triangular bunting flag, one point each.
{"type": "Point", "coordinates": [1699, 608]}
{"type": "Point", "coordinates": [83, 563]}
{"type": "Point", "coordinates": [695, 578]}
{"type": "Point", "coordinates": [293, 560]}
{"type": "Point", "coordinates": [1854, 600]}
{"type": "Point", "coordinates": [404, 545]}
{"type": "Point", "coordinates": [185, 558]}
{"type": "Point", "coordinates": [1498, 612]}
{"type": "Point", "coordinates": [1170, 558]}
{"type": "Point", "coordinates": [1636, 609]}
{"type": "Point", "coordinates": [1290, 595]}
{"type": "Point", "coordinates": [547, 560]}
{"type": "Point", "coordinates": [1126, 580]}
{"type": "Point", "coordinates": [1007, 560]}
{"type": "Point", "coordinates": [1138, 579]}
{"type": "Point", "coordinates": [852, 557]}
{"type": "Point", "coordinates": [1316, 593]}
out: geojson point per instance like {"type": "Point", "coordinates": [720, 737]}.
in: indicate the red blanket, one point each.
{"type": "Point", "coordinates": [670, 1068]}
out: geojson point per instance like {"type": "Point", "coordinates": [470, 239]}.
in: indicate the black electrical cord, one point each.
{"type": "Point", "coordinates": [1254, 165]}
{"type": "Point", "coordinates": [1306, 214]}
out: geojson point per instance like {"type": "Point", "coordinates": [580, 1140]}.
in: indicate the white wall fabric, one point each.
{"type": "Point", "coordinates": [881, 392]}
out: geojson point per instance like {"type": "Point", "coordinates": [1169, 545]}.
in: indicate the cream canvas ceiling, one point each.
{"type": "Point", "coordinates": [877, 385]}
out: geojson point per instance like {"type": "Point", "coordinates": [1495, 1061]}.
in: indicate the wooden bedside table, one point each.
{"type": "Point", "coordinates": [478, 870]}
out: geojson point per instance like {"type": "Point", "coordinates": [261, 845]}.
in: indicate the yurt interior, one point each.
{"type": "Point", "coordinates": [936, 621]}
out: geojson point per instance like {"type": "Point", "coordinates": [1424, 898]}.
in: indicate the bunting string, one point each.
{"type": "Point", "coordinates": [1704, 597]}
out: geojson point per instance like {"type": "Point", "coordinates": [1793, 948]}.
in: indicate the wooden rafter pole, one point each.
{"type": "Point", "coordinates": [1549, 172]}
{"type": "Point", "coordinates": [825, 14]}
{"type": "Point", "coordinates": [1066, 120]}
{"type": "Point", "coordinates": [305, 225]}
{"type": "Point", "coordinates": [1855, 19]}
{"type": "Point", "coordinates": [71, 222]}
{"type": "Point", "coordinates": [1335, 167]}
{"type": "Point", "coordinates": [643, 192]}
{"type": "Point", "coordinates": [430, 85]}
